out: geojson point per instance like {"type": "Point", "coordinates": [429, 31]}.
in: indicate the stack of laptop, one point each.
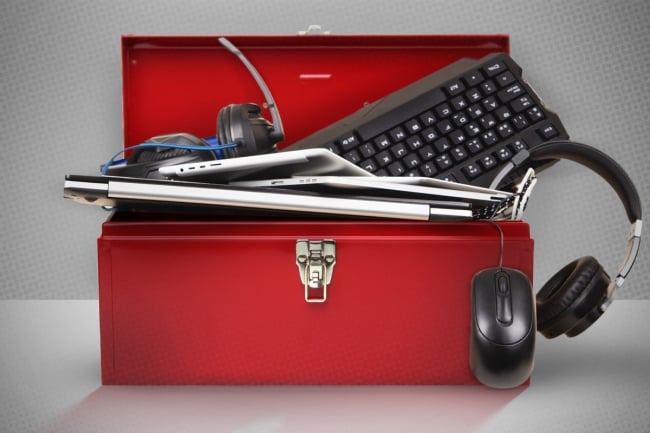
{"type": "Point", "coordinates": [301, 182]}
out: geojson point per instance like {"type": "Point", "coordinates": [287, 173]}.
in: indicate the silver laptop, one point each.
{"type": "Point", "coordinates": [132, 193]}
{"type": "Point", "coordinates": [312, 162]}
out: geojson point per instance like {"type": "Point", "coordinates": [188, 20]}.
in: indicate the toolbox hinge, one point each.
{"type": "Point", "coordinates": [313, 29]}
{"type": "Point", "coordinates": [316, 260]}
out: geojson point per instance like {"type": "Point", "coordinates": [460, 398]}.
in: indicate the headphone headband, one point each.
{"type": "Point", "coordinates": [591, 158]}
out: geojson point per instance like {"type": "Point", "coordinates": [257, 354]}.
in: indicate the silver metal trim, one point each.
{"type": "Point", "coordinates": [633, 246]}
{"type": "Point", "coordinates": [74, 184]}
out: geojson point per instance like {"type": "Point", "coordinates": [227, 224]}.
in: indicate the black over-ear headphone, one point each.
{"type": "Point", "coordinates": [243, 124]}
{"type": "Point", "coordinates": [580, 292]}
{"type": "Point", "coordinates": [241, 131]}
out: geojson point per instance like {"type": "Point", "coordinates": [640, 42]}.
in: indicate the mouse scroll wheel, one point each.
{"type": "Point", "coordinates": [502, 285]}
{"type": "Point", "coordinates": [504, 300]}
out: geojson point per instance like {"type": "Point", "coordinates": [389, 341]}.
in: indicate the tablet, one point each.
{"type": "Point", "coordinates": [310, 162]}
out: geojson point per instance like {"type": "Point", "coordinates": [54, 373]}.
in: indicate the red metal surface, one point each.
{"type": "Point", "coordinates": [221, 302]}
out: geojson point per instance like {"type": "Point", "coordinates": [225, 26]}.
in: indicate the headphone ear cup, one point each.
{"type": "Point", "coordinates": [243, 124]}
{"type": "Point", "coordinates": [570, 301]}
{"type": "Point", "coordinates": [224, 133]}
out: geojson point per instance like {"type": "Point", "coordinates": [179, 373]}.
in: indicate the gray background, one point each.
{"type": "Point", "coordinates": [60, 112]}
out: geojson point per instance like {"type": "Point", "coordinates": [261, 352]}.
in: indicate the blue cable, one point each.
{"type": "Point", "coordinates": [213, 145]}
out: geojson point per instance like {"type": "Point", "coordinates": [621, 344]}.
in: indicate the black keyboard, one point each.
{"type": "Point", "coordinates": [460, 123]}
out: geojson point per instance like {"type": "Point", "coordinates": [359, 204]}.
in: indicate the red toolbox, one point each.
{"type": "Point", "coordinates": [199, 299]}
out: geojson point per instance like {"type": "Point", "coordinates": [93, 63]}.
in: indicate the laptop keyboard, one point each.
{"type": "Point", "coordinates": [460, 124]}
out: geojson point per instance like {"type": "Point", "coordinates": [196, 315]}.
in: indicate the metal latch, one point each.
{"type": "Point", "coordinates": [315, 260]}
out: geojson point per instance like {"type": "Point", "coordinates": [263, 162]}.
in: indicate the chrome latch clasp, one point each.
{"type": "Point", "coordinates": [316, 260]}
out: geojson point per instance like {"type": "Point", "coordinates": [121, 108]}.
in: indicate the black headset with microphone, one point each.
{"type": "Point", "coordinates": [243, 124]}
{"type": "Point", "coordinates": [579, 293]}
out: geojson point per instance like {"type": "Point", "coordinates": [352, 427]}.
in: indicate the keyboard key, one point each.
{"type": "Point", "coordinates": [455, 87]}
{"type": "Point", "coordinates": [519, 122]}
{"type": "Point", "coordinates": [488, 121]}
{"type": "Point", "coordinates": [473, 95]}
{"type": "Point", "coordinates": [475, 111]}
{"type": "Point", "coordinates": [367, 150]}
{"type": "Point", "coordinates": [368, 165]}
{"type": "Point", "coordinates": [472, 129]}
{"type": "Point", "coordinates": [459, 103]}
{"type": "Point", "coordinates": [443, 110]}
{"type": "Point", "coordinates": [535, 114]}
{"type": "Point", "coordinates": [490, 103]}
{"type": "Point", "coordinates": [474, 146]}
{"type": "Point", "coordinates": [459, 153]}
{"type": "Point", "coordinates": [473, 77]}
{"type": "Point", "coordinates": [426, 153]}
{"type": "Point", "coordinates": [444, 126]}
{"type": "Point", "coordinates": [472, 170]}
{"type": "Point", "coordinates": [411, 160]}
{"type": "Point", "coordinates": [399, 150]}
{"type": "Point", "coordinates": [487, 162]}
{"type": "Point", "coordinates": [383, 158]}
{"type": "Point", "coordinates": [352, 156]}
{"type": "Point", "coordinates": [442, 145]}
{"type": "Point", "coordinates": [397, 134]}
{"type": "Point", "coordinates": [510, 93]}
{"type": "Point", "coordinates": [547, 132]}
{"type": "Point", "coordinates": [488, 87]}
{"type": "Point", "coordinates": [382, 142]}
{"type": "Point", "coordinates": [518, 145]}
{"type": "Point", "coordinates": [414, 142]}
{"type": "Point", "coordinates": [503, 154]}
{"type": "Point", "coordinates": [505, 78]}
{"type": "Point", "coordinates": [428, 169]}
{"type": "Point", "coordinates": [521, 103]}
{"type": "Point", "coordinates": [502, 113]}
{"type": "Point", "coordinates": [429, 135]}
{"type": "Point", "coordinates": [443, 161]}
{"type": "Point", "coordinates": [428, 118]}
{"type": "Point", "coordinates": [494, 68]}
{"type": "Point", "coordinates": [348, 141]}
{"type": "Point", "coordinates": [396, 169]}
{"type": "Point", "coordinates": [505, 130]}
{"type": "Point", "coordinates": [489, 138]}
{"type": "Point", "coordinates": [413, 126]}
{"type": "Point", "coordinates": [457, 137]}
{"type": "Point", "coordinates": [460, 119]}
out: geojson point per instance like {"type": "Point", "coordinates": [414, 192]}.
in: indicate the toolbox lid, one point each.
{"type": "Point", "coordinates": [179, 83]}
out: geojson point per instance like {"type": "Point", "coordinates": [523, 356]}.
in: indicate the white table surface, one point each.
{"type": "Point", "coordinates": [50, 382]}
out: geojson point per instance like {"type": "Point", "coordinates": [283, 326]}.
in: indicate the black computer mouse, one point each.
{"type": "Point", "coordinates": [502, 341]}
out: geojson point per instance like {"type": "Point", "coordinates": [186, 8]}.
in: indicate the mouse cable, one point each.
{"type": "Point", "coordinates": [501, 241]}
